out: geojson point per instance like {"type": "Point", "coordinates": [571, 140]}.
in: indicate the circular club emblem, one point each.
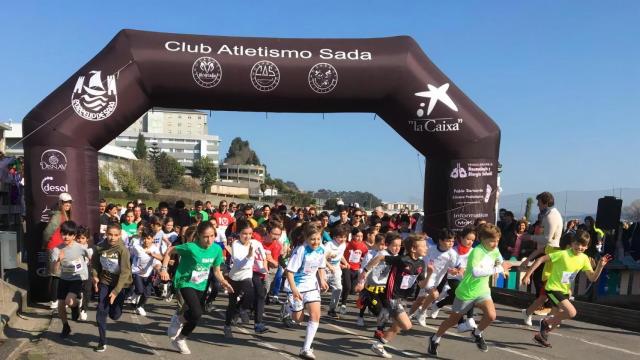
{"type": "Point", "coordinates": [323, 78]}
{"type": "Point", "coordinates": [53, 160]}
{"type": "Point", "coordinates": [265, 75]}
{"type": "Point", "coordinates": [206, 72]}
{"type": "Point", "coordinates": [91, 99]}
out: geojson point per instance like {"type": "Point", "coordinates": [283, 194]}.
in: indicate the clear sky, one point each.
{"type": "Point", "coordinates": [561, 79]}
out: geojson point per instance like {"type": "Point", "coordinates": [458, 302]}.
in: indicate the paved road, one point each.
{"type": "Point", "coordinates": [144, 338]}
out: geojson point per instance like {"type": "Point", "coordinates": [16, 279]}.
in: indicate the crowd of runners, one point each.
{"type": "Point", "coordinates": [384, 266]}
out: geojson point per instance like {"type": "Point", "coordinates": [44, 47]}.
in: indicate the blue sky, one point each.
{"type": "Point", "coordinates": [561, 79]}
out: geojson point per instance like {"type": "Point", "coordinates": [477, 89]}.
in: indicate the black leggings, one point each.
{"type": "Point", "coordinates": [260, 288]}
{"type": "Point", "coordinates": [242, 288]}
{"type": "Point", "coordinates": [349, 279]}
{"type": "Point", "coordinates": [193, 311]}
{"type": "Point", "coordinates": [53, 288]}
{"type": "Point", "coordinates": [451, 295]}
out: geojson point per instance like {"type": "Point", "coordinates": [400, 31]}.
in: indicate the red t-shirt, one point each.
{"type": "Point", "coordinates": [223, 219]}
{"type": "Point", "coordinates": [274, 249]}
{"type": "Point", "coordinates": [354, 253]}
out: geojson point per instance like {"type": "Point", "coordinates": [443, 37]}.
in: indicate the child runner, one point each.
{"type": "Point", "coordinates": [566, 265]}
{"type": "Point", "coordinates": [484, 261]}
{"type": "Point", "coordinates": [443, 259]}
{"type": "Point", "coordinates": [334, 251]}
{"type": "Point", "coordinates": [191, 280]}
{"type": "Point", "coordinates": [305, 267]}
{"type": "Point", "coordinates": [69, 259]}
{"type": "Point", "coordinates": [82, 239]}
{"type": "Point", "coordinates": [146, 258]}
{"type": "Point", "coordinates": [168, 231]}
{"type": "Point", "coordinates": [354, 253]}
{"type": "Point", "coordinates": [405, 273]}
{"type": "Point", "coordinates": [111, 273]}
{"type": "Point", "coordinates": [367, 298]}
{"type": "Point", "coordinates": [129, 226]}
{"type": "Point", "coordinates": [465, 241]}
{"type": "Point", "coordinates": [272, 249]}
{"type": "Point", "coordinates": [244, 252]}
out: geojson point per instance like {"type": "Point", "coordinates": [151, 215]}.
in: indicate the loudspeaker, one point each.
{"type": "Point", "coordinates": [609, 209]}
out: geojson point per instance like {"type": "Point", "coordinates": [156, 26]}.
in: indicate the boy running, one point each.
{"type": "Point", "coordinates": [334, 251]}
{"type": "Point", "coordinates": [566, 265]}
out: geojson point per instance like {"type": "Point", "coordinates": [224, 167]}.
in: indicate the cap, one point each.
{"type": "Point", "coordinates": [64, 197]}
{"type": "Point", "coordinates": [356, 205]}
{"type": "Point", "coordinates": [339, 202]}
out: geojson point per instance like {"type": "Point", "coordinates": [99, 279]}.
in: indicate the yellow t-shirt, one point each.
{"type": "Point", "coordinates": [546, 271]}
{"type": "Point", "coordinates": [566, 265]}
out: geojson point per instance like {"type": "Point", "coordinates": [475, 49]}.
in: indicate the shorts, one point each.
{"type": "Point", "coordinates": [462, 306]}
{"type": "Point", "coordinates": [396, 307]}
{"type": "Point", "coordinates": [68, 286]}
{"type": "Point", "coordinates": [556, 297]}
{"type": "Point", "coordinates": [310, 296]}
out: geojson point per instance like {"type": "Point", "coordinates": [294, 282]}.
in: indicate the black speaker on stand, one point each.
{"type": "Point", "coordinates": [608, 216]}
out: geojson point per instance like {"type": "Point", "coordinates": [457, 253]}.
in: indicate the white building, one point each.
{"type": "Point", "coordinates": [250, 176]}
{"type": "Point", "coordinates": [182, 134]}
{"type": "Point", "coordinates": [397, 206]}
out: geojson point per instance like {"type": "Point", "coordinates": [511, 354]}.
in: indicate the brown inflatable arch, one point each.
{"type": "Point", "coordinates": [138, 70]}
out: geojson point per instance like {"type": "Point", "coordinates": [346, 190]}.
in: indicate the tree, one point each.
{"type": "Point", "coordinates": [126, 180]}
{"type": "Point", "coordinates": [144, 173]}
{"type": "Point", "coordinates": [105, 183]}
{"type": "Point", "coordinates": [527, 211]}
{"type": "Point", "coordinates": [240, 153]}
{"type": "Point", "coordinates": [205, 170]}
{"type": "Point", "coordinates": [632, 212]}
{"type": "Point", "coordinates": [141, 147]}
{"type": "Point", "coordinates": [330, 204]}
{"type": "Point", "coordinates": [168, 171]}
{"type": "Point", "coordinates": [154, 152]}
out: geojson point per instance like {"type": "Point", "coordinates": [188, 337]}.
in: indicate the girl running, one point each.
{"type": "Point", "coordinates": [306, 266]}
{"type": "Point", "coordinates": [354, 253]}
{"type": "Point", "coordinates": [146, 258]}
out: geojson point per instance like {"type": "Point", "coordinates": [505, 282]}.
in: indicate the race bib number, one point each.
{"type": "Point", "coordinates": [199, 276]}
{"type": "Point", "coordinates": [568, 277]}
{"type": "Point", "coordinates": [407, 281]}
{"type": "Point", "coordinates": [72, 267]}
{"type": "Point", "coordinates": [355, 256]}
{"type": "Point", "coordinates": [110, 265]}
{"type": "Point", "coordinates": [311, 266]}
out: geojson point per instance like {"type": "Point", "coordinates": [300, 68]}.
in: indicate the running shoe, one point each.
{"type": "Point", "coordinates": [180, 344]}
{"type": "Point", "coordinates": [275, 300]}
{"type": "Point", "coordinates": [100, 348]}
{"type": "Point", "coordinates": [140, 311]}
{"type": "Point", "coordinates": [75, 313]}
{"type": "Point", "coordinates": [66, 330]}
{"type": "Point", "coordinates": [307, 354]}
{"type": "Point", "coordinates": [333, 314]}
{"type": "Point", "coordinates": [544, 330]}
{"type": "Point", "coordinates": [83, 315]}
{"type": "Point", "coordinates": [433, 347]}
{"type": "Point", "coordinates": [379, 350]}
{"type": "Point", "coordinates": [435, 310]}
{"type": "Point", "coordinates": [260, 328]}
{"type": "Point", "coordinates": [480, 343]}
{"type": "Point", "coordinates": [244, 316]}
{"type": "Point", "coordinates": [210, 307]}
{"type": "Point", "coordinates": [527, 318]}
{"type": "Point", "coordinates": [472, 323]}
{"type": "Point", "coordinates": [541, 341]}
{"type": "Point", "coordinates": [343, 309]}
{"type": "Point", "coordinates": [422, 318]}
{"type": "Point", "coordinates": [175, 327]}
{"type": "Point", "coordinates": [360, 321]}
{"type": "Point", "coordinates": [465, 326]}
{"type": "Point", "coordinates": [53, 305]}
{"type": "Point", "coordinates": [227, 332]}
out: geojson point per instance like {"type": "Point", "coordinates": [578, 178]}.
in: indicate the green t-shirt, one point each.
{"type": "Point", "coordinates": [472, 287]}
{"type": "Point", "coordinates": [205, 216]}
{"type": "Point", "coordinates": [566, 265]}
{"type": "Point", "coordinates": [130, 229]}
{"type": "Point", "coordinates": [193, 269]}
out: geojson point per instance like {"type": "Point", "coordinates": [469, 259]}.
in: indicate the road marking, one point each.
{"type": "Point", "coordinates": [597, 344]}
{"type": "Point", "coordinates": [270, 346]}
{"type": "Point", "coordinates": [146, 339]}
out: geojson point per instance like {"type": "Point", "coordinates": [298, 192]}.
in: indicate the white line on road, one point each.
{"type": "Point", "coordinates": [597, 344]}
{"type": "Point", "coordinates": [146, 339]}
{"type": "Point", "coordinates": [270, 346]}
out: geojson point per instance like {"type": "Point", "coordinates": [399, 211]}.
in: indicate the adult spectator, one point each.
{"type": "Point", "coordinates": [508, 239]}
{"type": "Point", "coordinates": [52, 237]}
{"type": "Point", "coordinates": [596, 245]}
{"type": "Point", "coordinates": [357, 221]}
{"type": "Point", "coordinates": [103, 217]}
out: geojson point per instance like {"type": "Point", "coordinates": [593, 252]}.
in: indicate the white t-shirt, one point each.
{"type": "Point", "coordinates": [334, 252]}
{"type": "Point", "coordinates": [159, 242]}
{"type": "Point", "coordinates": [304, 264]}
{"type": "Point", "coordinates": [242, 267]}
{"type": "Point", "coordinates": [143, 263]}
{"type": "Point", "coordinates": [460, 263]}
{"type": "Point", "coordinates": [442, 261]}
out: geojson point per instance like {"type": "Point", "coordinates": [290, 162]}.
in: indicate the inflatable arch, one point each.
{"type": "Point", "coordinates": [138, 70]}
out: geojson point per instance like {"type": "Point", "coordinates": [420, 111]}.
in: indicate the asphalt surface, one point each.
{"type": "Point", "coordinates": [134, 336]}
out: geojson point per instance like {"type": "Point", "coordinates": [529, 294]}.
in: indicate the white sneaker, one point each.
{"type": "Point", "coordinates": [422, 318]}
{"type": "Point", "coordinates": [527, 318]}
{"type": "Point", "coordinates": [140, 311]}
{"type": "Point", "coordinates": [165, 290]}
{"type": "Point", "coordinates": [244, 316]}
{"type": "Point", "coordinates": [360, 321]}
{"type": "Point", "coordinates": [83, 315]}
{"type": "Point", "coordinates": [464, 327]}
{"type": "Point", "coordinates": [53, 305]}
{"type": "Point", "coordinates": [434, 311]}
{"type": "Point", "coordinates": [380, 351]}
{"type": "Point", "coordinates": [343, 309]}
{"type": "Point", "coordinates": [175, 327]}
{"type": "Point", "coordinates": [307, 354]}
{"type": "Point", "coordinates": [180, 344]}
{"type": "Point", "coordinates": [472, 323]}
